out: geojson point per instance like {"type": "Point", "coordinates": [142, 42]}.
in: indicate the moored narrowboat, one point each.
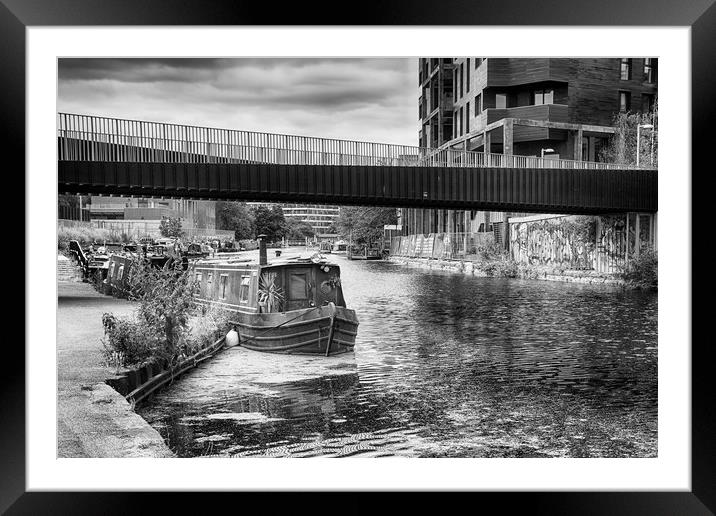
{"type": "Point", "coordinates": [364, 253]}
{"type": "Point", "coordinates": [340, 247]}
{"type": "Point", "coordinates": [288, 305]}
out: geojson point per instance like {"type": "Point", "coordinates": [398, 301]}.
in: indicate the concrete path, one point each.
{"type": "Point", "coordinates": [93, 420]}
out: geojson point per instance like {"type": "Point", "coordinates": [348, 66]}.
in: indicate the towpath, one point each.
{"type": "Point", "coordinates": [93, 420]}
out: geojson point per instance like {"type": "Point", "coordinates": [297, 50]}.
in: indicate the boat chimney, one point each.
{"type": "Point", "coordinates": [262, 250]}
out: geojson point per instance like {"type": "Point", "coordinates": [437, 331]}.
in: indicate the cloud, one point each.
{"type": "Point", "coordinates": [372, 99]}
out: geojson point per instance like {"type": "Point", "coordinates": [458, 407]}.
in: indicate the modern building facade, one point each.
{"type": "Point", "coordinates": [143, 216]}
{"type": "Point", "coordinates": [556, 108]}
{"type": "Point", "coordinates": [319, 216]}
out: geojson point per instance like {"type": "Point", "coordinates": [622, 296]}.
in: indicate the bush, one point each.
{"type": "Point", "coordinates": [490, 251]}
{"type": "Point", "coordinates": [499, 268]}
{"type": "Point", "coordinates": [210, 327]}
{"type": "Point", "coordinates": [85, 235]}
{"type": "Point", "coordinates": [160, 328]}
{"type": "Point", "coordinates": [642, 271]}
{"type": "Point", "coordinates": [127, 341]}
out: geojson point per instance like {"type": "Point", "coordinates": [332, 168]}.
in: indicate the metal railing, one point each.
{"type": "Point", "coordinates": [95, 138]}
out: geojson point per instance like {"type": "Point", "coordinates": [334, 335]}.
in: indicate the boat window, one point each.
{"type": "Point", "coordinates": [244, 289]}
{"type": "Point", "coordinates": [222, 285]}
{"type": "Point", "coordinates": [297, 286]}
{"type": "Point", "coordinates": [198, 277]}
{"type": "Point", "coordinates": [111, 270]}
{"type": "Point", "coordinates": [120, 272]}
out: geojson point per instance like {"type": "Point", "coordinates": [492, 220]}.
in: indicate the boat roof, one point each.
{"type": "Point", "coordinates": [296, 259]}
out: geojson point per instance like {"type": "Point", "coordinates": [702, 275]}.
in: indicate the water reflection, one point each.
{"type": "Point", "coordinates": [445, 366]}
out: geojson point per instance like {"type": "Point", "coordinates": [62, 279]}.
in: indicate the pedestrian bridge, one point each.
{"type": "Point", "coordinates": [109, 156]}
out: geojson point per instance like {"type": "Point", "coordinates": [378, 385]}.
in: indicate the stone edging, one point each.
{"type": "Point", "coordinates": [538, 273]}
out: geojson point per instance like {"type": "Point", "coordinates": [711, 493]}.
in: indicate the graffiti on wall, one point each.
{"type": "Point", "coordinates": [600, 243]}
{"type": "Point", "coordinates": [565, 242]}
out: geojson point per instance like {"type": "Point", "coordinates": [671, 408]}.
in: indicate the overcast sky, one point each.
{"type": "Point", "coordinates": [358, 99]}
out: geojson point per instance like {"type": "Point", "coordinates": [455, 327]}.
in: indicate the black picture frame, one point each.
{"type": "Point", "coordinates": [700, 16]}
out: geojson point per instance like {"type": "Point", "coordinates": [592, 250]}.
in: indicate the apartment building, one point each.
{"type": "Point", "coordinates": [557, 108]}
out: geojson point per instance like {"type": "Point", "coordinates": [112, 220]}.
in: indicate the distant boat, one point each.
{"type": "Point", "coordinates": [340, 247]}
{"type": "Point", "coordinates": [325, 248]}
{"type": "Point", "coordinates": [290, 305]}
{"type": "Point", "coordinates": [364, 253]}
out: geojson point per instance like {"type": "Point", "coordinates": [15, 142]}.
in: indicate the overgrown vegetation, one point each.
{"type": "Point", "coordinates": [87, 235]}
{"type": "Point", "coordinates": [642, 271]}
{"type": "Point", "coordinates": [622, 146]}
{"type": "Point", "coordinates": [490, 251]}
{"type": "Point", "coordinates": [170, 227]}
{"type": "Point", "coordinates": [160, 331]}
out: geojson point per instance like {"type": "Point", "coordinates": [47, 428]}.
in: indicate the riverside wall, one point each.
{"type": "Point", "coordinates": [511, 270]}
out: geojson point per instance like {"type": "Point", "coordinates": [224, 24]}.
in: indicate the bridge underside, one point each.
{"type": "Point", "coordinates": [538, 190]}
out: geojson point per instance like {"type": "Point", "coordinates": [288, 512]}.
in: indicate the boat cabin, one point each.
{"type": "Point", "coordinates": [279, 286]}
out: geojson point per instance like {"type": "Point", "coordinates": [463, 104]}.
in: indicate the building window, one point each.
{"type": "Point", "coordinates": [223, 280]}
{"type": "Point", "coordinates": [647, 103]}
{"type": "Point", "coordinates": [467, 78]}
{"type": "Point", "coordinates": [244, 289]}
{"type": "Point", "coordinates": [649, 72]}
{"type": "Point", "coordinates": [462, 79]}
{"type": "Point", "coordinates": [625, 69]}
{"type": "Point", "coordinates": [543, 97]}
{"type": "Point", "coordinates": [467, 117]}
{"type": "Point", "coordinates": [500, 100]}
{"type": "Point", "coordinates": [624, 101]}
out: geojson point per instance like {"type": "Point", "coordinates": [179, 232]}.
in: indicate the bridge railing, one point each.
{"type": "Point", "coordinates": [94, 138]}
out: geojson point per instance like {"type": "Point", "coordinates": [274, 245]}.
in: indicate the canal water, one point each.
{"type": "Point", "coordinates": [445, 365]}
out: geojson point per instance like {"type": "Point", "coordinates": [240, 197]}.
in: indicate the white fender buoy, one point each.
{"type": "Point", "coordinates": [232, 338]}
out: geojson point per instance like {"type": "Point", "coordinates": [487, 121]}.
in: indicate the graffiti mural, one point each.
{"type": "Point", "coordinates": [600, 243]}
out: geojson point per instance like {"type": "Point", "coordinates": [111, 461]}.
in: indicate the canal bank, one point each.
{"type": "Point", "coordinates": [511, 269]}
{"type": "Point", "coordinates": [93, 420]}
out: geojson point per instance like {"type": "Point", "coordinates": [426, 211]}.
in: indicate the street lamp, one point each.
{"type": "Point", "coordinates": [638, 138]}
{"type": "Point", "coordinates": [545, 150]}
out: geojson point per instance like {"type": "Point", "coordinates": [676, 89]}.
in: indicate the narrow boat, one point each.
{"type": "Point", "coordinates": [340, 247]}
{"type": "Point", "coordinates": [364, 253]}
{"type": "Point", "coordinates": [288, 305]}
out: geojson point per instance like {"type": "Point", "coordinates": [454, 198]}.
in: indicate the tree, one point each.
{"type": "Point", "coordinates": [622, 146]}
{"type": "Point", "coordinates": [170, 227]}
{"type": "Point", "coordinates": [298, 229]}
{"type": "Point", "coordinates": [269, 222]}
{"type": "Point", "coordinates": [236, 217]}
{"type": "Point", "coordinates": [364, 225]}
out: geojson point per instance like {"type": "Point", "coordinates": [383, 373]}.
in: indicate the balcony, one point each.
{"type": "Point", "coordinates": [546, 112]}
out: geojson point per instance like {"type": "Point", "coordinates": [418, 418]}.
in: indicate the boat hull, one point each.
{"type": "Point", "coordinates": [326, 330]}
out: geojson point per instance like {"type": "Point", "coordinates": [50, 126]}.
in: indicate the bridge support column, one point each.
{"type": "Point", "coordinates": [578, 139]}
{"type": "Point", "coordinates": [508, 136]}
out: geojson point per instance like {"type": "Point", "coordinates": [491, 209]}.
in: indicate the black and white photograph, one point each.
{"type": "Point", "coordinates": [358, 257]}
{"type": "Point", "coordinates": [363, 245]}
